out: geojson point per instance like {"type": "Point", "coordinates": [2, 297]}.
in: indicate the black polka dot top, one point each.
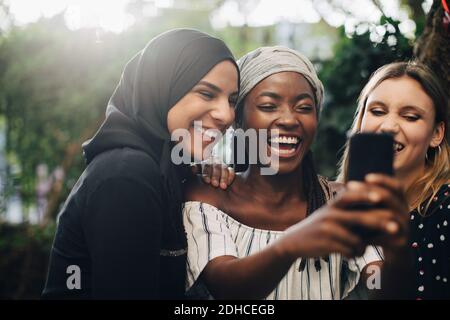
{"type": "Point", "coordinates": [430, 241]}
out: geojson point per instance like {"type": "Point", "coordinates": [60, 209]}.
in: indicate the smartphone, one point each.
{"type": "Point", "coordinates": [370, 153]}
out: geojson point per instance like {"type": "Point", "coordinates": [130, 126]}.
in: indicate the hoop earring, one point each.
{"type": "Point", "coordinates": [439, 150]}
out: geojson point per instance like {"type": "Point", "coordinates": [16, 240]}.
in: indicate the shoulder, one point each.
{"type": "Point", "coordinates": [331, 188]}
{"type": "Point", "coordinates": [445, 188]}
{"type": "Point", "coordinates": [124, 164]}
{"type": "Point", "coordinates": [443, 196]}
{"type": "Point", "coordinates": [440, 203]}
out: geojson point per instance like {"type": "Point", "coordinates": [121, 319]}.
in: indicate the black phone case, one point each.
{"type": "Point", "coordinates": [370, 153]}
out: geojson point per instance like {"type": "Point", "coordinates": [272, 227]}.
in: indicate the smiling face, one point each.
{"type": "Point", "coordinates": [401, 107]}
{"type": "Point", "coordinates": [283, 101]}
{"type": "Point", "coordinates": [211, 101]}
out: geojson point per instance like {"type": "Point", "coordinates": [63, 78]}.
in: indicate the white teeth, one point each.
{"type": "Point", "coordinates": [284, 139]}
{"type": "Point", "coordinates": [398, 147]}
{"type": "Point", "coordinates": [199, 129]}
{"type": "Point", "coordinates": [209, 134]}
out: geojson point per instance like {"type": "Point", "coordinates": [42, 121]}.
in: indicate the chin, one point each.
{"type": "Point", "coordinates": [286, 168]}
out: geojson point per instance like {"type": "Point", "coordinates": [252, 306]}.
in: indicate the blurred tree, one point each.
{"type": "Point", "coordinates": [433, 46]}
{"type": "Point", "coordinates": [6, 19]}
{"type": "Point", "coordinates": [54, 84]}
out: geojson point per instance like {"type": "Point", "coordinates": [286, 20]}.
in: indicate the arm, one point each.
{"type": "Point", "coordinates": [212, 257]}
{"type": "Point", "coordinates": [255, 276]}
{"type": "Point", "coordinates": [397, 272]}
{"type": "Point", "coordinates": [397, 276]}
{"type": "Point", "coordinates": [394, 277]}
{"type": "Point", "coordinates": [123, 233]}
{"type": "Point", "coordinates": [252, 277]}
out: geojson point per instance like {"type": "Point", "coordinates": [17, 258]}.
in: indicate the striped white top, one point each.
{"type": "Point", "coordinates": [212, 233]}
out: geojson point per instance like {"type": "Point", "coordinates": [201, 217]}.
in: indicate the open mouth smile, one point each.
{"type": "Point", "coordinates": [284, 146]}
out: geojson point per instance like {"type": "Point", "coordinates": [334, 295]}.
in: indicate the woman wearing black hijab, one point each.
{"type": "Point", "coordinates": [120, 233]}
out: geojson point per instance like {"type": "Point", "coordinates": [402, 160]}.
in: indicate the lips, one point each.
{"type": "Point", "coordinates": [284, 146]}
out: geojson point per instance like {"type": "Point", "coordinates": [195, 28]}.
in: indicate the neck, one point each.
{"type": "Point", "coordinates": [274, 190]}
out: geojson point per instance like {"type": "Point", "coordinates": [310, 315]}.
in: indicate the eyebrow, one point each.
{"type": "Point", "coordinates": [278, 97]}
{"type": "Point", "coordinates": [376, 102]}
{"type": "Point", "coordinates": [407, 107]}
{"type": "Point", "coordinates": [214, 87]}
{"type": "Point", "coordinates": [210, 85]}
{"type": "Point", "coordinates": [414, 108]}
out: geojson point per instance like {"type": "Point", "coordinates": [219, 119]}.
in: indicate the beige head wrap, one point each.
{"type": "Point", "coordinates": [257, 65]}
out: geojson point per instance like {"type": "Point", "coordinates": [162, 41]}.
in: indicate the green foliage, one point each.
{"type": "Point", "coordinates": [54, 84]}
{"type": "Point", "coordinates": [344, 76]}
{"type": "Point", "coordinates": [25, 251]}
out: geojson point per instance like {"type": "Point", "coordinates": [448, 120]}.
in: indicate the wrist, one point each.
{"type": "Point", "coordinates": [282, 251]}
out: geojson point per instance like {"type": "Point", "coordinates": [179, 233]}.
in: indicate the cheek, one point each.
{"type": "Point", "coordinates": [369, 123]}
{"type": "Point", "coordinates": [184, 115]}
{"type": "Point", "coordinates": [418, 136]}
{"type": "Point", "coordinates": [256, 120]}
{"type": "Point", "coordinates": [310, 125]}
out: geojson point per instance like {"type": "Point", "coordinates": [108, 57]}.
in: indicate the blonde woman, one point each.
{"type": "Point", "coordinates": [406, 100]}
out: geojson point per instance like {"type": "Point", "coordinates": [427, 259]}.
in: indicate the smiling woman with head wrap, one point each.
{"type": "Point", "coordinates": [121, 227]}
{"type": "Point", "coordinates": [266, 61]}
{"type": "Point", "coordinates": [274, 236]}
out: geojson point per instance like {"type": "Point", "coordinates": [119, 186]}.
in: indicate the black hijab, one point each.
{"type": "Point", "coordinates": [153, 81]}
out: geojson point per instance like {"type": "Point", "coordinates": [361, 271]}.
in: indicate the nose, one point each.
{"type": "Point", "coordinates": [223, 113]}
{"type": "Point", "coordinates": [389, 125]}
{"type": "Point", "coordinates": [287, 119]}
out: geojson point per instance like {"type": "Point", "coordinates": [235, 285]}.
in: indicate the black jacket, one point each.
{"type": "Point", "coordinates": [112, 226]}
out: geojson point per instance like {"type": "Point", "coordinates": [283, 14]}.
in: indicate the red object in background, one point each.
{"type": "Point", "coordinates": [444, 4]}
{"type": "Point", "coordinates": [446, 19]}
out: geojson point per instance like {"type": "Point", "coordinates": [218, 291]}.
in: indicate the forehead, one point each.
{"type": "Point", "coordinates": [224, 74]}
{"type": "Point", "coordinates": [400, 92]}
{"type": "Point", "coordinates": [284, 83]}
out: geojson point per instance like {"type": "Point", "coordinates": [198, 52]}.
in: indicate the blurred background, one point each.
{"type": "Point", "coordinates": [60, 60]}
